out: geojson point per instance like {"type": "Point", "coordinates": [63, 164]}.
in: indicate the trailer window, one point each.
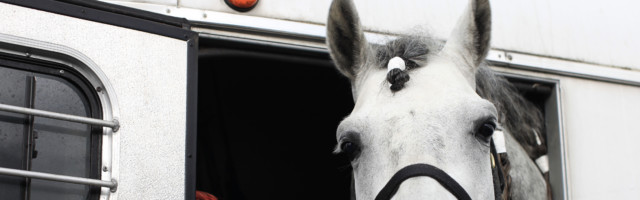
{"type": "Point", "coordinates": [43, 144]}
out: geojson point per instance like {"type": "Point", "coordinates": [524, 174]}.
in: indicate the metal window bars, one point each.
{"type": "Point", "coordinates": [114, 125]}
{"type": "Point", "coordinates": [61, 178]}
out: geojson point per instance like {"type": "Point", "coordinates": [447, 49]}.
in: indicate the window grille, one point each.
{"type": "Point", "coordinates": [50, 132]}
{"type": "Point", "coordinates": [54, 177]}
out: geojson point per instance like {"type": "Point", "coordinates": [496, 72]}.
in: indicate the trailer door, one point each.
{"type": "Point", "coordinates": [97, 101]}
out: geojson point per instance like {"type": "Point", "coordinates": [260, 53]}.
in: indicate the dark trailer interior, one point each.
{"type": "Point", "coordinates": [267, 117]}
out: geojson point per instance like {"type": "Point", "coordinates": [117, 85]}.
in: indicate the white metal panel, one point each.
{"type": "Point", "coordinates": [601, 126]}
{"type": "Point", "coordinates": [602, 32]}
{"type": "Point", "coordinates": [148, 75]}
{"type": "Point", "coordinates": [205, 5]}
{"type": "Point", "coordinates": [159, 2]}
{"type": "Point", "coordinates": [294, 31]}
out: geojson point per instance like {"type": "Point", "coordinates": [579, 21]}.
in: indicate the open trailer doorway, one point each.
{"type": "Point", "coordinates": [267, 121]}
{"type": "Point", "coordinates": [268, 114]}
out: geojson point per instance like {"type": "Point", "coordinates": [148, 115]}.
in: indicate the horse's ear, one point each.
{"type": "Point", "coordinates": [345, 38]}
{"type": "Point", "coordinates": [471, 36]}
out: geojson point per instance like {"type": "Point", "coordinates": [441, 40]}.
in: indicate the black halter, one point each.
{"type": "Point", "coordinates": [422, 170]}
{"type": "Point", "coordinates": [443, 178]}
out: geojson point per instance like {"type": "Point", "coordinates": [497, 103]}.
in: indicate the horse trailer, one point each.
{"type": "Point", "coordinates": [158, 99]}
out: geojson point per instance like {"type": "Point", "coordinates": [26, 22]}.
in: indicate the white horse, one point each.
{"type": "Point", "coordinates": [425, 114]}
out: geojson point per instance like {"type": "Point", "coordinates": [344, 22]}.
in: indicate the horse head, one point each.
{"type": "Point", "coordinates": [415, 104]}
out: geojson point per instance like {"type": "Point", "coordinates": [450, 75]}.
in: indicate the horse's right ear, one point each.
{"type": "Point", "coordinates": [345, 38]}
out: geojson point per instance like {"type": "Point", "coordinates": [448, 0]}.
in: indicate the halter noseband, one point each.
{"type": "Point", "coordinates": [443, 178]}
{"type": "Point", "coordinates": [422, 170]}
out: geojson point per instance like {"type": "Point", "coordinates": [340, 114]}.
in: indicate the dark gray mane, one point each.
{"type": "Point", "coordinates": [520, 117]}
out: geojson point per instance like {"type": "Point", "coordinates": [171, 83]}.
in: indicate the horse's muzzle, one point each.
{"type": "Point", "coordinates": [415, 170]}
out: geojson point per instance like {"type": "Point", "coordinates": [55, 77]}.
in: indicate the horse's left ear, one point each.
{"type": "Point", "coordinates": [345, 37]}
{"type": "Point", "coordinates": [470, 39]}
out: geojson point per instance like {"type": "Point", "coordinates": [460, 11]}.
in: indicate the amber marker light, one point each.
{"type": "Point", "coordinates": [241, 5]}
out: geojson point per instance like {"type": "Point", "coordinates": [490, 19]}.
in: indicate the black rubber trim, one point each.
{"type": "Point", "coordinates": [132, 12]}
{"type": "Point", "coordinates": [116, 15]}
{"type": "Point", "coordinates": [192, 118]}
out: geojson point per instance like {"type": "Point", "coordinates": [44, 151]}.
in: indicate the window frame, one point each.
{"type": "Point", "coordinates": [85, 90]}
{"type": "Point", "coordinates": [555, 136]}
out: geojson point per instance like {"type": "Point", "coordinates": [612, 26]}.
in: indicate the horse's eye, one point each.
{"type": "Point", "coordinates": [485, 131]}
{"type": "Point", "coordinates": [349, 149]}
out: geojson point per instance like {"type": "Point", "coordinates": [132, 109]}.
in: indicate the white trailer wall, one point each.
{"type": "Point", "coordinates": [589, 47]}
{"type": "Point", "coordinates": [602, 32]}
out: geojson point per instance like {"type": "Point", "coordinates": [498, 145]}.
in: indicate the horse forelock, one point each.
{"type": "Point", "coordinates": [413, 49]}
